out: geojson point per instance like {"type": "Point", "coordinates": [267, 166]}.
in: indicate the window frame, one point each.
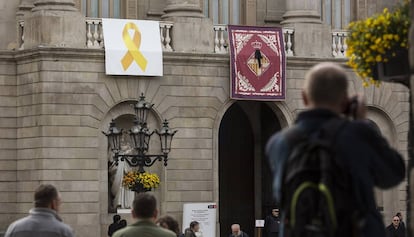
{"type": "Point", "coordinates": [334, 13]}
{"type": "Point", "coordinates": [89, 6]}
{"type": "Point", "coordinates": [218, 16]}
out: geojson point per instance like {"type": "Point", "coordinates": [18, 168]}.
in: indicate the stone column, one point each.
{"type": "Point", "coordinates": [55, 23]}
{"type": "Point", "coordinates": [311, 37]}
{"type": "Point", "coordinates": [24, 8]}
{"type": "Point", "coordinates": [192, 32]}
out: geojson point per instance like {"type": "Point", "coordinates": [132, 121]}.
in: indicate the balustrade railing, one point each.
{"type": "Point", "coordinates": [165, 31]}
{"type": "Point", "coordinates": [288, 34]}
{"type": "Point", "coordinates": [94, 33]}
{"type": "Point", "coordinates": [20, 40]}
{"type": "Point", "coordinates": [221, 39]}
{"type": "Point", "coordinates": [339, 45]}
{"type": "Point", "coordinates": [94, 37]}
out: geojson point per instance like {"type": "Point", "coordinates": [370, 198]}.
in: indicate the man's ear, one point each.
{"type": "Point", "coordinates": [155, 214]}
{"type": "Point", "coordinates": [305, 98]}
{"type": "Point", "coordinates": [54, 205]}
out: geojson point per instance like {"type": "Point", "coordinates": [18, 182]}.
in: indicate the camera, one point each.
{"type": "Point", "coordinates": [351, 109]}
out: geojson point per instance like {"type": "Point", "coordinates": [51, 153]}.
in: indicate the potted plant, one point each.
{"type": "Point", "coordinates": [378, 46]}
{"type": "Point", "coordinates": [140, 182]}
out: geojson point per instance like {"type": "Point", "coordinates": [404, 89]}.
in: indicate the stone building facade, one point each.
{"type": "Point", "coordinates": [56, 100]}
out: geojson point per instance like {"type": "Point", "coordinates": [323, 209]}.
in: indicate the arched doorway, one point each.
{"type": "Point", "coordinates": [245, 183]}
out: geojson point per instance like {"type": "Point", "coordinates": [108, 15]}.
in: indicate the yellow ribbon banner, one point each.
{"type": "Point", "coordinates": [132, 45]}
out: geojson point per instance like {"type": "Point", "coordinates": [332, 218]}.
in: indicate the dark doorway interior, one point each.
{"type": "Point", "coordinates": [244, 131]}
{"type": "Point", "coordinates": [236, 191]}
{"type": "Point", "coordinates": [269, 125]}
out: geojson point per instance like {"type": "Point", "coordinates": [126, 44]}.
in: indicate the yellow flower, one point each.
{"type": "Point", "coordinates": [148, 180]}
{"type": "Point", "coordinates": [371, 40]}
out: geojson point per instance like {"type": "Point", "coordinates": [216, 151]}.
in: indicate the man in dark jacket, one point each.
{"type": "Point", "coordinates": [272, 223]}
{"type": "Point", "coordinates": [395, 229]}
{"type": "Point", "coordinates": [362, 150]}
{"type": "Point", "coordinates": [115, 225]}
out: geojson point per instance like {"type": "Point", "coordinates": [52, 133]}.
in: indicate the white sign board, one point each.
{"type": "Point", "coordinates": [260, 223]}
{"type": "Point", "coordinates": [205, 214]}
{"type": "Point", "coordinates": [132, 47]}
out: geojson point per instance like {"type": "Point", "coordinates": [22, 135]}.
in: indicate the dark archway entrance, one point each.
{"type": "Point", "coordinates": [245, 184]}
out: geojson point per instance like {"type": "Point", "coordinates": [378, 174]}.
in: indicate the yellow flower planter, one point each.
{"type": "Point", "coordinates": [375, 41]}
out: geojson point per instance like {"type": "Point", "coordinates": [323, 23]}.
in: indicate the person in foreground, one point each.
{"type": "Point", "coordinates": [144, 210]}
{"type": "Point", "coordinates": [363, 153]}
{"type": "Point", "coordinates": [43, 219]}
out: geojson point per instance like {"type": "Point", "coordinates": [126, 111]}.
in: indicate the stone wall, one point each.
{"type": "Point", "coordinates": [8, 142]}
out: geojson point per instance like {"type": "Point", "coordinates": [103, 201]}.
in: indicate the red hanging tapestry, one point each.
{"type": "Point", "coordinates": [257, 57]}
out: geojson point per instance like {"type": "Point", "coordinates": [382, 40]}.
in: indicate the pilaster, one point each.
{"type": "Point", "coordinates": [24, 9]}
{"type": "Point", "coordinates": [55, 23]}
{"type": "Point", "coordinates": [311, 36]}
{"type": "Point", "coordinates": [190, 32]}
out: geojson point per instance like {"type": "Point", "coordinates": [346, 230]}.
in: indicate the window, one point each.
{"type": "Point", "coordinates": [336, 13]}
{"type": "Point", "coordinates": [102, 8]}
{"type": "Point", "coordinates": [225, 11]}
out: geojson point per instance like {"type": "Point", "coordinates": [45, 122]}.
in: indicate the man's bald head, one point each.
{"type": "Point", "coordinates": [235, 229]}
{"type": "Point", "coordinates": [326, 86]}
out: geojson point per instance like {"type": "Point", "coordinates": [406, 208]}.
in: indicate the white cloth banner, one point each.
{"type": "Point", "coordinates": [132, 47]}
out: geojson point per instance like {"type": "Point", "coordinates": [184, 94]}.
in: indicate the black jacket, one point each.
{"type": "Point", "coordinates": [365, 153]}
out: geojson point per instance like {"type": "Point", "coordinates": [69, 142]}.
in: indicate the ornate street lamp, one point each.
{"type": "Point", "coordinates": [140, 136]}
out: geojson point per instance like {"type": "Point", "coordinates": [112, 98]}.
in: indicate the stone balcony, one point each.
{"type": "Point", "coordinates": [94, 38]}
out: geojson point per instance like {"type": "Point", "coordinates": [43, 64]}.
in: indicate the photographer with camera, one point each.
{"type": "Point", "coordinates": [326, 165]}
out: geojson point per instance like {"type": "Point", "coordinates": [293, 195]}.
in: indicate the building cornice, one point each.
{"type": "Point", "coordinates": [87, 54]}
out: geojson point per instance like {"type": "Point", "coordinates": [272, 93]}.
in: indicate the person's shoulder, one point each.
{"type": "Point", "coordinates": [279, 139]}
{"type": "Point", "coordinates": [389, 227]}
{"type": "Point", "coordinates": [66, 229]}
{"type": "Point", "coordinates": [124, 232]}
{"type": "Point", "coordinates": [361, 127]}
{"type": "Point", "coordinates": [158, 231]}
{"type": "Point", "coordinates": [19, 223]}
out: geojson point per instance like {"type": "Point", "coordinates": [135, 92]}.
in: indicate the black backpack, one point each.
{"type": "Point", "coordinates": [317, 197]}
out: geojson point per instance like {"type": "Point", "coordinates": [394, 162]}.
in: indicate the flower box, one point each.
{"type": "Point", "coordinates": [140, 182]}
{"type": "Point", "coordinates": [397, 69]}
{"type": "Point", "coordinates": [378, 45]}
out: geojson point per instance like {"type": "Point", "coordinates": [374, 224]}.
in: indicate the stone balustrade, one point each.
{"type": "Point", "coordinates": [221, 39]}
{"type": "Point", "coordinates": [165, 29]}
{"type": "Point", "coordinates": [339, 45]}
{"type": "Point", "coordinates": [94, 33]}
{"type": "Point", "coordinates": [288, 40]}
{"type": "Point", "coordinates": [94, 38]}
{"type": "Point", "coordinates": [21, 34]}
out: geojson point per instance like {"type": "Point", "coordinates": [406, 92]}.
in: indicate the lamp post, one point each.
{"type": "Point", "coordinates": [140, 136]}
